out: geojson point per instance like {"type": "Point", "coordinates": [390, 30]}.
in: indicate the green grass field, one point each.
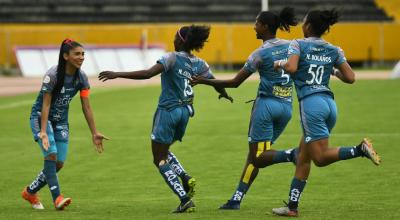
{"type": "Point", "coordinates": [122, 183]}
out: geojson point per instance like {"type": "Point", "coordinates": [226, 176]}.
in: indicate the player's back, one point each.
{"type": "Point", "coordinates": [179, 67]}
{"type": "Point", "coordinates": [316, 62]}
{"type": "Point", "coordinates": [273, 83]}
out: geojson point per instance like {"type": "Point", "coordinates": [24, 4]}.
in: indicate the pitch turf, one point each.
{"type": "Point", "coordinates": [122, 183]}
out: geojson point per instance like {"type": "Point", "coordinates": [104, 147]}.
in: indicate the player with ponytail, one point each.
{"type": "Point", "coordinates": [311, 62]}
{"type": "Point", "coordinates": [272, 108]}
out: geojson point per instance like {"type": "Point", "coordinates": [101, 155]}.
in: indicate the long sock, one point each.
{"type": "Point", "coordinates": [38, 183]}
{"type": "Point", "coordinates": [173, 182]}
{"type": "Point", "coordinates": [346, 153]}
{"type": "Point", "coordinates": [240, 192]}
{"type": "Point", "coordinates": [176, 165]}
{"type": "Point", "coordinates": [49, 172]}
{"type": "Point", "coordinates": [296, 189]}
{"type": "Point", "coordinates": [284, 156]}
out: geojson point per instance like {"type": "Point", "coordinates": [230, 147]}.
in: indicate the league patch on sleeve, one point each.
{"type": "Point", "coordinates": [46, 79]}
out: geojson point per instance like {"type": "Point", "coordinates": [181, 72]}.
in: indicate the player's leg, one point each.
{"type": "Point", "coordinates": [249, 174]}
{"type": "Point", "coordinates": [163, 133]}
{"type": "Point", "coordinates": [299, 181]}
{"type": "Point", "coordinates": [188, 182]}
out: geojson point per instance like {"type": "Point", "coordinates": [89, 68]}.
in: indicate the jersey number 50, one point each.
{"type": "Point", "coordinates": [316, 73]}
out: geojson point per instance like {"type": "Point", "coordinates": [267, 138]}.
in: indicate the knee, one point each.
{"type": "Point", "coordinates": [52, 157]}
{"type": "Point", "coordinates": [319, 162]}
{"type": "Point", "coordinates": [59, 165]}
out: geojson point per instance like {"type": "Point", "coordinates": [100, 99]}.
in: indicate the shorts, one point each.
{"type": "Point", "coordinates": [318, 116]}
{"type": "Point", "coordinates": [269, 118]}
{"type": "Point", "coordinates": [169, 126]}
{"type": "Point", "coordinates": [58, 134]}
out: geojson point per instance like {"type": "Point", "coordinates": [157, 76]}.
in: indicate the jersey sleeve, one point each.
{"type": "Point", "coordinates": [341, 58]}
{"type": "Point", "coordinates": [84, 81]}
{"type": "Point", "coordinates": [294, 48]}
{"type": "Point", "coordinates": [49, 80]}
{"type": "Point", "coordinates": [167, 60]}
{"type": "Point", "coordinates": [253, 62]}
{"type": "Point", "coordinates": [205, 71]}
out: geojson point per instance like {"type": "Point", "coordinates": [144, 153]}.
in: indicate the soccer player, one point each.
{"type": "Point", "coordinates": [272, 109]}
{"type": "Point", "coordinates": [49, 120]}
{"type": "Point", "coordinates": [311, 62]}
{"type": "Point", "coordinates": [175, 106]}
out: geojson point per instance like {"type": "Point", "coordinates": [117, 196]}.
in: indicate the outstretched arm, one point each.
{"type": "Point", "coordinates": [235, 82]}
{"type": "Point", "coordinates": [140, 74]}
{"type": "Point", "coordinates": [345, 73]}
{"type": "Point", "coordinates": [222, 92]}
{"type": "Point", "coordinates": [97, 137]}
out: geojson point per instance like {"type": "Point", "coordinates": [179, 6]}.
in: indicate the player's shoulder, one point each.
{"type": "Point", "coordinates": [52, 71]}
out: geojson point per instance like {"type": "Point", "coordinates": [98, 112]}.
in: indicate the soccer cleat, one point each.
{"type": "Point", "coordinates": [185, 207]}
{"type": "Point", "coordinates": [188, 185]}
{"type": "Point", "coordinates": [294, 154]}
{"type": "Point", "coordinates": [285, 211]}
{"type": "Point", "coordinates": [33, 199]}
{"type": "Point", "coordinates": [369, 151]}
{"type": "Point", "coordinates": [230, 205]}
{"type": "Point", "coordinates": [62, 202]}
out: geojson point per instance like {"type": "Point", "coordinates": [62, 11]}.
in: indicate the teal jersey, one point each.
{"type": "Point", "coordinates": [275, 83]}
{"type": "Point", "coordinates": [179, 67]}
{"type": "Point", "coordinates": [60, 103]}
{"type": "Point", "coordinates": [317, 59]}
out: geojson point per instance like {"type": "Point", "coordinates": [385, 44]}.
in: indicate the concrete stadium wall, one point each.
{"type": "Point", "coordinates": [228, 43]}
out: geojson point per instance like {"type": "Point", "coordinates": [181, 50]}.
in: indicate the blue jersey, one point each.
{"type": "Point", "coordinates": [60, 102]}
{"type": "Point", "coordinates": [275, 83]}
{"type": "Point", "coordinates": [179, 67]}
{"type": "Point", "coordinates": [317, 59]}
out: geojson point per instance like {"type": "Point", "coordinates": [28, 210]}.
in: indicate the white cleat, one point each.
{"type": "Point", "coordinates": [38, 206]}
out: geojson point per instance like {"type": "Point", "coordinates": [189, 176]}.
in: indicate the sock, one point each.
{"type": "Point", "coordinates": [37, 183]}
{"type": "Point", "coordinates": [346, 153]}
{"type": "Point", "coordinates": [176, 165]}
{"type": "Point", "coordinates": [286, 156]}
{"type": "Point", "coordinates": [173, 182]}
{"type": "Point", "coordinates": [296, 188]}
{"type": "Point", "coordinates": [240, 192]}
{"type": "Point", "coordinates": [50, 174]}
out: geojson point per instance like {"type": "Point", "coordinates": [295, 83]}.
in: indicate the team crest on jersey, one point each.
{"type": "Point", "coordinates": [46, 79]}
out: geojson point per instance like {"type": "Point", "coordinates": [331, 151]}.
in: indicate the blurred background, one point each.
{"type": "Point", "coordinates": [131, 34]}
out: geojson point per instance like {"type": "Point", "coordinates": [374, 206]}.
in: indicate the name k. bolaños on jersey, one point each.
{"type": "Point", "coordinates": [60, 103]}
{"type": "Point", "coordinates": [275, 83]}
{"type": "Point", "coordinates": [179, 67]}
{"type": "Point", "coordinates": [317, 59]}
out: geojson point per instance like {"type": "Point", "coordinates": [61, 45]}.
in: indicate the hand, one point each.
{"type": "Point", "coordinates": [276, 64]}
{"type": "Point", "coordinates": [196, 80]}
{"type": "Point", "coordinates": [106, 75]}
{"type": "Point", "coordinates": [97, 139]}
{"type": "Point", "coordinates": [225, 96]}
{"type": "Point", "coordinates": [45, 140]}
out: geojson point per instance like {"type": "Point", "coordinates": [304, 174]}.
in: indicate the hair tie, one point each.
{"type": "Point", "coordinates": [180, 36]}
{"type": "Point", "coordinates": [68, 41]}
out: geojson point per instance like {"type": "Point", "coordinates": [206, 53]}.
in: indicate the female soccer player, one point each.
{"type": "Point", "coordinates": [272, 108]}
{"type": "Point", "coordinates": [49, 120]}
{"type": "Point", "coordinates": [311, 62]}
{"type": "Point", "coordinates": [175, 105]}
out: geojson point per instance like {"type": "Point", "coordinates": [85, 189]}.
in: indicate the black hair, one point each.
{"type": "Point", "coordinates": [321, 20]}
{"type": "Point", "coordinates": [66, 46]}
{"type": "Point", "coordinates": [193, 37]}
{"type": "Point", "coordinates": [283, 21]}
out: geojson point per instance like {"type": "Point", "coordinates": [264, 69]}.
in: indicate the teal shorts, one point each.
{"type": "Point", "coordinates": [58, 134]}
{"type": "Point", "coordinates": [269, 118]}
{"type": "Point", "coordinates": [170, 125]}
{"type": "Point", "coordinates": [318, 116]}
